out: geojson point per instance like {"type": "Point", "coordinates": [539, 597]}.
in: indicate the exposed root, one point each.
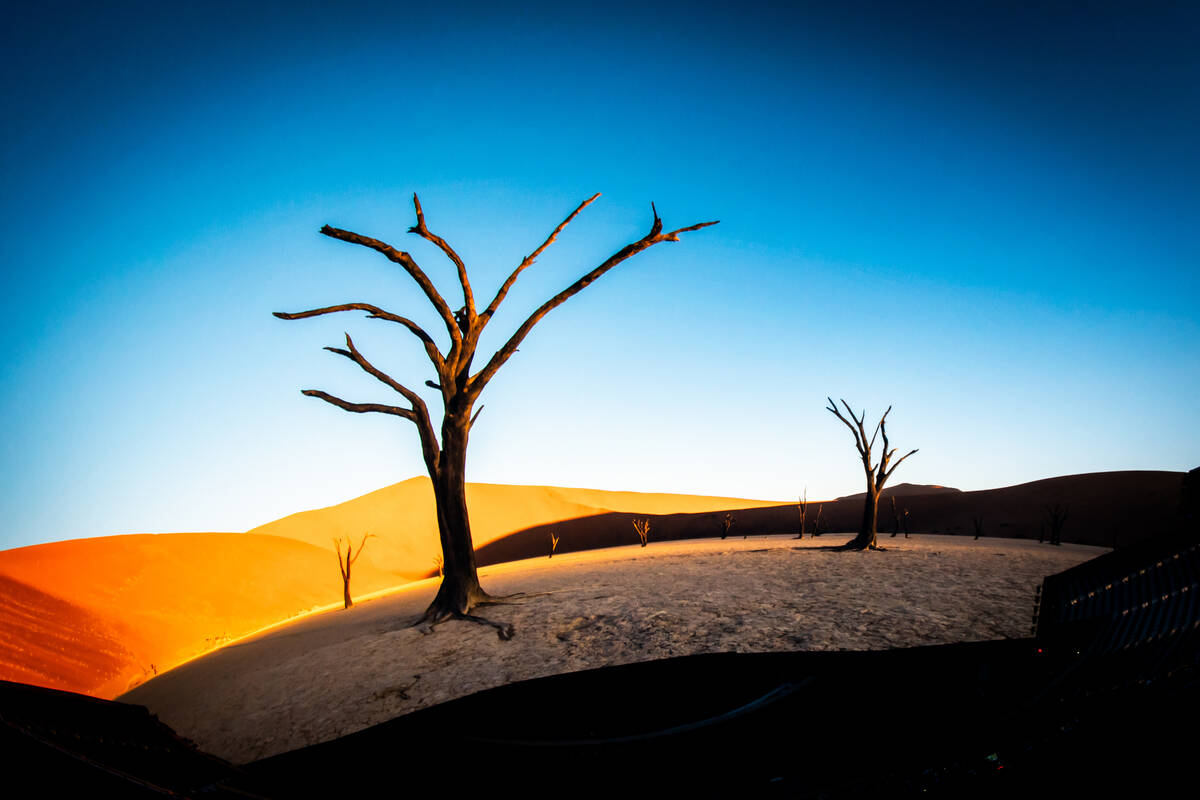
{"type": "Point", "coordinates": [434, 617]}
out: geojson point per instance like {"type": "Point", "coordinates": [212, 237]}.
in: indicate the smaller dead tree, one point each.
{"type": "Point", "coordinates": [877, 474]}
{"type": "Point", "coordinates": [803, 507]}
{"type": "Point", "coordinates": [1056, 518]}
{"type": "Point", "coordinates": [817, 521]}
{"type": "Point", "coordinates": [345, 564]}
{"type": "Point", "coordinates": [977, 523]}
{"type": "Point", "coordinates": [904, 521]}
{"type": "Point", "coordinates": [642, 526]}
{"type": "Point", "coordinates": [895, 518]}
{"type": "Point", "coordinates": [553, 544]}
{"type": "Point", "coordinates": [727, 524]}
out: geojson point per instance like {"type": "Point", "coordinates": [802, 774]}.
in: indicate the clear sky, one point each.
{"type": "Point", "coordinates": [986, 218]}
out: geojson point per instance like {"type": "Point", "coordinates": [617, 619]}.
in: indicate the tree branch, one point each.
{"type": "Point", "coordinates": [420, 412]}
{"type": "Point", "coordinates": [410, 266]}
{"type": "Point", "coordinates": [893, 469]}
{"type": "Point", "coordinates": [359, 408]}
{"type": "Point", "coordinates": [374, 312]}
{"type": "Point", "coordinates": [529, 259]}
{"type": "Point", "coordinates": [357, 552]}
{"type": "Point", "coordinates": [479, 380]}
{"type": "Point", "coordinates": [424, 233]}
{"type": "Point", "coordinates": [858, 443]}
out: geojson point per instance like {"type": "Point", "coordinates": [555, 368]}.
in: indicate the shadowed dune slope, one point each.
{"type": "Point", "coordinates": [101, 615]}
{"type": "Point", "coordinates": [1107, 509]}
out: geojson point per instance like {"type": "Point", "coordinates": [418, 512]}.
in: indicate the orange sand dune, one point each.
{"type": "Point", "coordinates": [403, 518]}
{"type": "Point", "coordinates": [101, 615]}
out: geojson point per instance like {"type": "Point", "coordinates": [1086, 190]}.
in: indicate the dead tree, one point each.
{"type": "Point", "coordinates": [895, 518]}
{"type": "Point", "coordinates": [803, 507]}
{"type": "Point", "coordinates": [642, 526]}
{"type": "Point", "coordinates": [1056, 518]}
{"type": "Point", "coordinates": [977, 523]}
{"type": "Point", "coordinates": [817, 521]}
{"type": "Point", "coordinates": [877, 475]}
{"type": "Point", "coordinates": [344, 565]}
{"type": "Point", "coordinates": [727, 524]}
{"type": "Point", "coordinates": [553, 544]}
{"type": "Point", "coordinates": [445, 458]}
{"type": "Point", "coordinates": [904, 521]}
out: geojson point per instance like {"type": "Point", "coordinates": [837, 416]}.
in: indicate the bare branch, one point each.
{"type": "Point", "coordinates": [419, 413]}
{"type": "Point", "coordinates": [480, 379]}
{"type": "Point", "coordinates": [405, 260]}
{"type": "Point", "coordinates": [893, 469]}
{"type": "Point", "coordinates": [375, 313]}
{"type": "Point", "coordinates": [358, 358]}
{"type": "Point", "coordinates": [475, 416]}
{"type": "Point", "coordinates": [424, 233]}
{"type": "Point", "coordinates": [357, 552]}
{"type": "Point", "coordinates": [879, 427]}
{"type": "Point", "coordinates": [858, 443]}
{"type": "Point", "coordinates": [337, 545]}
{"type": "Point", "coordinates": [529, 259]}
{"type": "Point", "coordinates": [359, 408]}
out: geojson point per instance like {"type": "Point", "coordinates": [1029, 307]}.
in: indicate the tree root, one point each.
{"type": "Point", "coordinates": [427, 622]}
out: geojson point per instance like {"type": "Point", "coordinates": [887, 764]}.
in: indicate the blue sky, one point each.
{"type": "Point", "coordinates": [985, 218]}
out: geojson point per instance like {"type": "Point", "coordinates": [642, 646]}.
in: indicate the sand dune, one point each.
{"type": "Point", "coordinates": [403, 518]}
{"type": "Point", "coordinates": [100, 615]}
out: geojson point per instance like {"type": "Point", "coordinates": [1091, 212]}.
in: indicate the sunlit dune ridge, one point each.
{"type": "Point", "coordinates": [100, 615]}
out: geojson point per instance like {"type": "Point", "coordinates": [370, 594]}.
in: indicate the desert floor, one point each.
{"type": "Point", "coordinates": [337, 672]}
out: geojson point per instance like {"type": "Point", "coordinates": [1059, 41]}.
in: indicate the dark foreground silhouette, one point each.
{"type": "Point", "coordinates": [1087, 708]}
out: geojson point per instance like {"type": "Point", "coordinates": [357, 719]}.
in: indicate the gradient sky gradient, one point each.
{"type": "Point", "coordinates": [987, 218]}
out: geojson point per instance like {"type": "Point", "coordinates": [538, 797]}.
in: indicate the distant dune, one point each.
{"type": "Point", "coordinates": [906, 490]}
{"type": "Point", "coordinates": [101, 615]}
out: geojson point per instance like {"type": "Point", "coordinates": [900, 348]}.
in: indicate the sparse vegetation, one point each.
{"type": "Point", "coordinates": [553, 544]}
{"type": "Point", "coordinates": [803, 508]}
{"type": "Point", "coordinates": [727, 524]}
{"type": "Point", "coordinates": [1056, 518]}
{"type": "Point", "coordinates": [344, 565]}
{"type": "Point", "coordinates": [642, 526]}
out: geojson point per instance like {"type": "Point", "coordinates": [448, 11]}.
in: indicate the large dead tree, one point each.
{"type": "Point", "coordinates": [877, 474]}
{"type": "Point", "coordinates": [445, 457]}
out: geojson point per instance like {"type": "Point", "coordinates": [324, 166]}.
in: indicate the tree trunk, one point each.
{"type": "Point", "coordinates": [346, 592]}
{"type": "Point", "coordinates": [460, 590]}
{"type": "Point", "coordinates": [866, 538]}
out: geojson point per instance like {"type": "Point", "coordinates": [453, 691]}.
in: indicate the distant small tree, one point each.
{"type": "Point", "coordinates": [803, 507]}
{"type": "Point", "coordinates": [727, 524]}
{"type": "Point", "coordinates": [817, 521]}
{"type": "Point", "coordinates": [345, 564]}
{"type": "Point", "coordinates": [977, 523]}
{"type": "Point", "coordinates": [877, 475]}
{"type": "Point", "coordinates": [642, 526]}
{"type": "Point", "coordinates": [1056, 518]}
{"type": "Point", "coordinates": [895, 518]}
{"type": "Point", "coordinates": [904, 521]}
{"type": "Point", "coordinates": [553, 544]}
